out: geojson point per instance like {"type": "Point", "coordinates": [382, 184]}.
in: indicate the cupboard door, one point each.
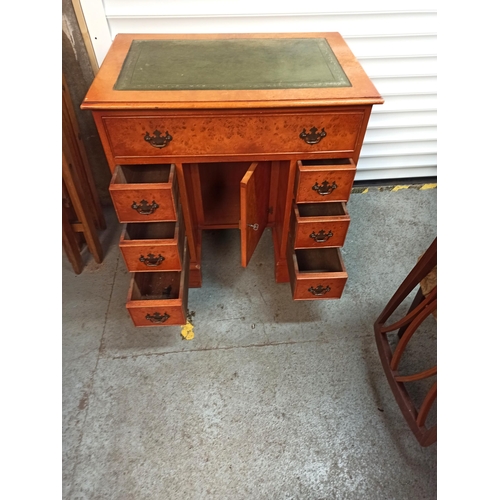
{"type": "Point", "coordinates": [254, 199]}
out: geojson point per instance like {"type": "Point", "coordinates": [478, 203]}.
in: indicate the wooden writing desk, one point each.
{"type": "Point", "coordinates": [240, 131]}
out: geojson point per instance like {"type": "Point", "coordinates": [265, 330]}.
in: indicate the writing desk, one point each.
{"type": "Point", "coordinates": [243, 131]}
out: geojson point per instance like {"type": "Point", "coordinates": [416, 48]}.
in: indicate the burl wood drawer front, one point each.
{"type": "Point", "coordinates": [320, 225]}
{"type": "Point", "coordinates": [321, 181]}
{"type": "Point", "coordinates": [210, 134]}
{"type": "Point", "coordinates": [160, 299]}
{"type": "Point", "coordinates": [316, 274]}
{"type": "Point", "coordinates": [144, 193]}
{"type": "Point", "coordinates": [153, 246]}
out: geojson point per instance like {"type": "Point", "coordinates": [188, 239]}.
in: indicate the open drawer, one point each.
{"type": "Point", "coordinates": [160, 299]}
{"type": "Point", "coordinates": [144, 193]}
{"type": "Point", "coordinates": [320, 225]}
{"type": "Point", "coordinates": [320, 181]}
{"type": "Point", "coordinates": [317, 273]}
{"type": "Point", "coordinates": [153, 246]}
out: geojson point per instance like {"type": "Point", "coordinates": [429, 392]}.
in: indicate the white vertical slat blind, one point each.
{"type": "Point", "coordinates": [395, 42]}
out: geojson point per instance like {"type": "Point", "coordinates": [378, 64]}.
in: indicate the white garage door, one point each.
{"type": "Point", "coordinates": [395, 41]}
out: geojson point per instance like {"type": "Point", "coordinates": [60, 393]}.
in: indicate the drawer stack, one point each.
{"type": "Point", "coordinates": [319, 227]}
{"type": "Point", "coordinates": [153, 243]}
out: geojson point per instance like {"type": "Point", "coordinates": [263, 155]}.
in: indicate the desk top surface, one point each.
{"type": "Point", "coordinates": [145, 71]}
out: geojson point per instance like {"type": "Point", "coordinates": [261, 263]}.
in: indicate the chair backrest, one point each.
{"type": "Point", "coordinates": [423, 275]}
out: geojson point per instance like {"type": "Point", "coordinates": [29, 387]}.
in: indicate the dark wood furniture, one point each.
{"type": "Point", "coordinates": [423, 278]}
{"type": "Point", "coordinates": [243, 131]}
{"type": "Point", "coordinates": [82, 216]}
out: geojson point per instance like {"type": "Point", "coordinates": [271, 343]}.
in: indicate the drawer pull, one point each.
{"type": "Point", "coordinates": [157, 140]}
{"type": "Point", "coordinates": [144, 209]}
{"type": "Point", "coordinates": [313, 137]}
{"type": "Point", "coordinates": [319, 290]}
{"type": "Point", "coordinates": [324, 188]}
{"type": "Point", "coordinates": [157, 317]}
{"type": "Point", "coordinates": [151, 260]}
{"type": "Point", "coordinates": [321, 237]}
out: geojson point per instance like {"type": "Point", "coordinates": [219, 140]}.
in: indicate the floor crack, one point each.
{"type": "Point", "coordinates": [223, 348]}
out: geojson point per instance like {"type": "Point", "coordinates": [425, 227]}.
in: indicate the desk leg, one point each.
{"type": "Point", "coordinates": [193, 236]}
{"type": "Point", "coordinates": [280, 264]}
{"type": "Point", "coordinates": [283, 196]}
{"type": "Point", "coordinates": [195, 266]}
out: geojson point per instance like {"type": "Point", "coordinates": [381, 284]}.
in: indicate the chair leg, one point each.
{"type": "Point", "coordinates": [423, 267]}
{"type": "Point", "coordinates": [422, 306]}
{"type": "Point", "coordinates": [70, 244]}
{"type": "Point", "coordinates": [419, 297]}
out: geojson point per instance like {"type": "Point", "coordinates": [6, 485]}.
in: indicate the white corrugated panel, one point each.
{"type": "Point", "coordinates": [395, 42]}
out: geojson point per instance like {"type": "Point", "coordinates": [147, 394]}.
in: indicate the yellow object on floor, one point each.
{"type": "Point", "coordinates": [187, 331]}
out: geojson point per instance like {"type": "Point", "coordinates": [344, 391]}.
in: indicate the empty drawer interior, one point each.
{"type": "Point", "coordinates": [321, 209]}
{"type": "Point", "coordinates": [319, 260]}
{"type": "Point", "coordinates": [150, 231]}
{"type": "Point", "coordinates": [156, 286]}
{"type": "Point", "coordinates": [326, 161]}
{"type": "Point", "coordinates": [142, 174]}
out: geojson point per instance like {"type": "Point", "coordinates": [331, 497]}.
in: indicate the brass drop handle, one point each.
{"type": "Point", "coordinates": [157, 140]}
{"type": "Point", "coordinates": [313, 136]}
{"type": "Point", "coordinates": [157, 317]}
{"type": "Point", "coordinates": [324, 188]}
{"type": "Point", "coordinates": [151, 260]}
{"type": "Point", "coordinates": [144, 208]}
{"type": "Point", "coordinates": [319, 290]}
{"type": "Point", "coordinates": [321, 236]}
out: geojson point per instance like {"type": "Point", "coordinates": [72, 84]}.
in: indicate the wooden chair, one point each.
{"type": "Point", "coordinates": [82, 215]}
{"type": "Point", "coordinates": [423, 275]}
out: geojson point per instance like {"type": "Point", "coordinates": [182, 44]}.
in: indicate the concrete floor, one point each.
{"type": "Point", "coordinates": [272, 399]}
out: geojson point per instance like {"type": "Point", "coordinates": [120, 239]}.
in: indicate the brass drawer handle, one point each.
{"type": "Point", "coordinates": [157, 317]}
{"type": "Point", "coordinates": [151, 260]}
{"type": "Point", "coordinates": [324, 188]}
{"type": "Point", "coordinates": [321, 237]}
{"type": "Point", "coordinates": [157, 140]}
{"type": "Point", "coordinates": [144, 208]}
{"type": "Point", "coordinates": [313, 137]}
{"type": "Point", "coordinates": [319, 290]}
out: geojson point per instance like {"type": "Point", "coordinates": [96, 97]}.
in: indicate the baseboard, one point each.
{"type": "Point", "coordinates": [420, 183]}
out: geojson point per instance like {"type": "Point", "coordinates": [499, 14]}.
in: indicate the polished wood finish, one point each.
{"type": "Point", "coordinates": [160, 298]}
{"type": "Point", "coordinates": [152, 189]}
{"type": "Point", "coordinates": [422, 307]}
{"type": "Point", "coordinates": [241, 157]}
{"type": "Point", "coordinates": [314, 179]}
{"type": "Point", "coordinates": [101, 94]}
{"type": "Point", "coordinates": [193, 234]}
{"type": "Point", "coordinates": [254, 208]}
{"type": "Point", "coordinates": [242, 132]}
{"type": "Point", "coordinates": [218, 202]}
{"type": "Point", "coordinates": [316, 274]}
{"type": "Point", "coordinates": [153, 246]}
{"type": "Point", "coordinates": [320, 225]}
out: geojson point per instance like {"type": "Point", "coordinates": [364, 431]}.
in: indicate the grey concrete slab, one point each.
{"type": "Point", "coordinates": [389, 230]}
{"type": "Point", "coordinates": [285, 421]}
{"type": "Point", "coordinates": [85, 303]}
{"type": "Point", "coordinates": [271, 399]}
{"type": "Point", "coordinates": [235, 306]}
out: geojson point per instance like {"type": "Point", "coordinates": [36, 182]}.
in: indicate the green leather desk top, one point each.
{"type": "Point", "coordinates": [231, 64]}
